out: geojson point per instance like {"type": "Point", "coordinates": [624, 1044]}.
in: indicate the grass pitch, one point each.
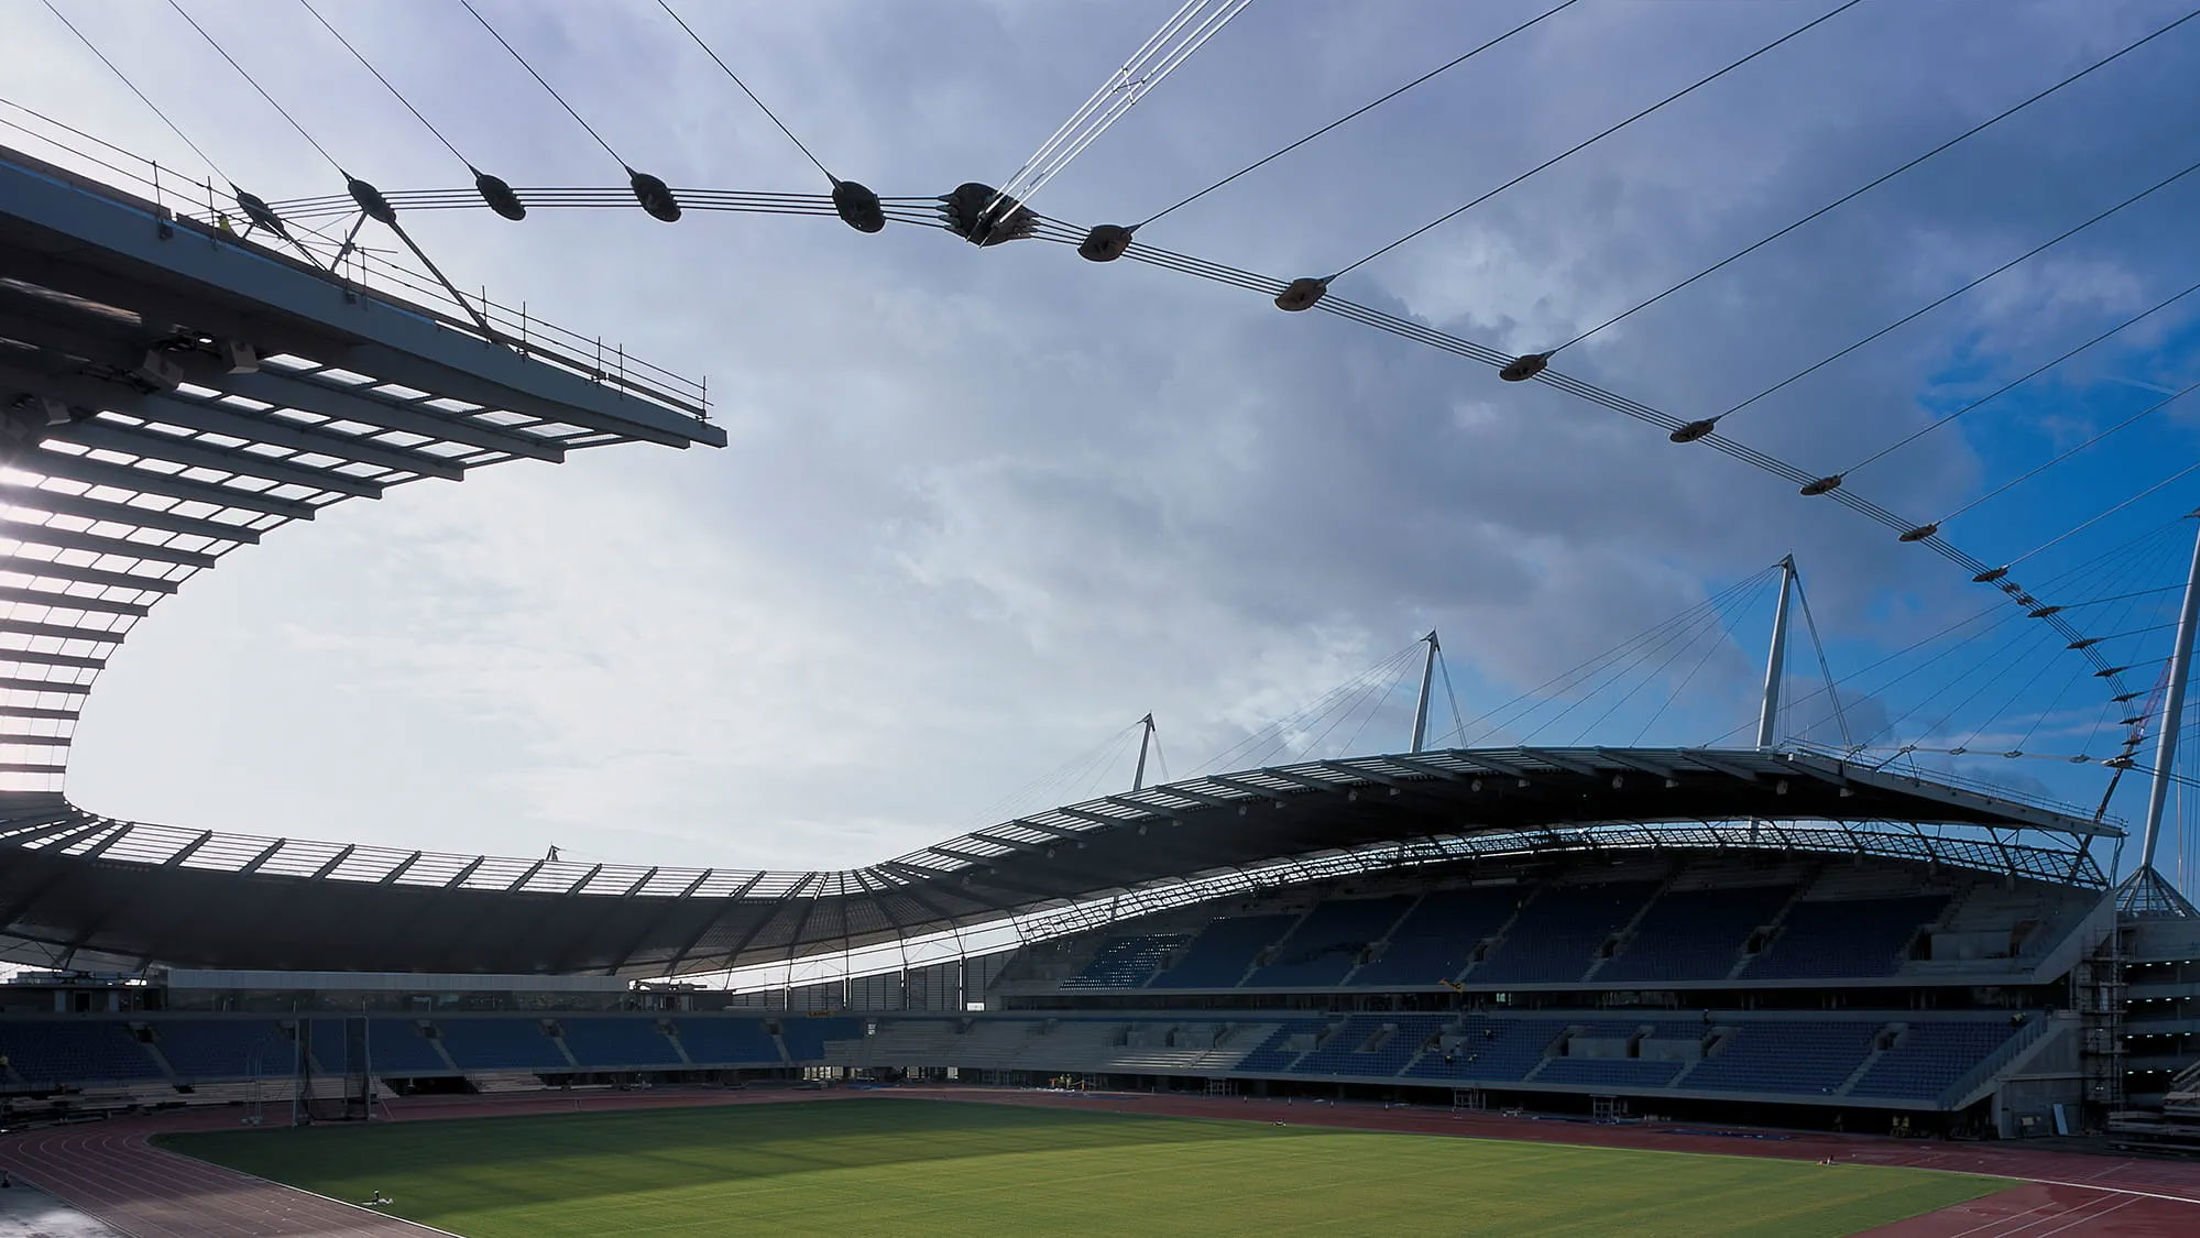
{"type": "Point", "coordinates": [892, 1166]}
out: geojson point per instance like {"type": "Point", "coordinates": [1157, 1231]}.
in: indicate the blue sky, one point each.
{"type": "Point", "coordinates": [983, 508]}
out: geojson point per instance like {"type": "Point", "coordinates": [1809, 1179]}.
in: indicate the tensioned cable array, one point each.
{"type": "Point", "coordinates": [1513, 713]}
{"type": "Point", "coordinates": [1346, 700]}
{"type": "Point", "coordinates": [1876, 182]}
{"type": "Point", "coordinates": [1186, 31]}
{"type": "Point", "coordinates": [1355, 114]}
{"type": "Point", "coordinates": [2070, 452]}
{"type": "Point", "coordinates": [494, 191]}
{"type": "Point", "coordinates": [541, 81]}
{"type": "Point", "coordinates": [909, 210]}
{"type": "Point", "coordinates": [255, 209]}
{"type": "Point", "coordinates": [2101, 580]}
{"type": "Point", "coordinates": [154, 108]}
{"type": "Point", "coordinates": [369, 200]}
{"type": "Point", "coordinates": [386, 84]}
{"type": "Point", "coordinates": [1940, 422]}
{"type": "Point", "coordinates": [1592, 140]}
{"type": "Point", "coordinates": [761, 106]}
{"type": "Point", "coordinates": [1213, 271]}
{"type": "Point", "coordinates": [1939, 301]}
{"type": "Point", "coordinates": [253, 82]}
{"type": "Point", "coordinates": [655, 197]}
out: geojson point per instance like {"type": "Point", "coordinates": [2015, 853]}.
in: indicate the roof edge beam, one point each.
{"type": "Point", "coordinates": [153, 445]}
{"type": "Point", "coordinates": [54, 502]}
{"type": "Point", "coordinates": [70, 601]}
{"type": "Point", "coordinates": [148, 481]}
{"type": "Point", "coordinates": [300, 390]}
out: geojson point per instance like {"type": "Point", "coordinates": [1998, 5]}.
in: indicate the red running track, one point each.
{"type": "Point", "coordinates": [111, 1171]}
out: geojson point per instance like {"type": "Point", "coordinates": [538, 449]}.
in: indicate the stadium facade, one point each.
{"type": "Point", "coordinates": [1768, 933]}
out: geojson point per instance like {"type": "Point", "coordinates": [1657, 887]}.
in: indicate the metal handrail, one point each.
{"type": "Point", "coordinates": [543, 340]}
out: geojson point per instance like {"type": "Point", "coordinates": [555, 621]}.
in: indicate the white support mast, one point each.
{"type": "Point", "coordinates": [2173, 712]}
{"type": "Point", "coordinates": [1428, 679]}
{"type": "Point", "coordinates": [1145, 741]}
{"type": "Point", "coordinates": [1775, 663]}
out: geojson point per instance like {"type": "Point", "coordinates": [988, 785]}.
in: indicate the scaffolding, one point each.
{"type": "Point", "coordinates": [2097, 990]}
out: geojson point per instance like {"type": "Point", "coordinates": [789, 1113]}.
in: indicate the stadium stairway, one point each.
{"type": "Point", "coordinates": [502, 1044]}
{"type": "Point", "coordinates": [1482, 1049]}
{"type": "Point", "coordinates": [1786, 1056]}
{"type": "Point", "coordinates": [2182, 1097]}
{"type": "Point", "coordinates": [1689, 935]}
{"type": "Point", "coordinates": [1616, 943]}
{"type": "Point", "coordinates": [1560, 933]}
{"type": "Point", "coordinates": [2021, 1047]}
{"type": "Point", "coordinates": [1190, 1048]}
{"type": "Point", "coordinates": [1882, 1044]}
{"type": "Point", "coordinates": [1226, 950]}
{"type": "Point", "coordinates": [167, 1068]}
{"type": "Point", "coordinates": [619, 1042]}
{"type": "Point", "coordinates": [400, 1047]}
{"type": "Point", "coordinates": [1285, 1043]}
{"type": "Point", "coordinates": [1435, 941]}
{"type": "Point", "coordinates": [1380, 946]}
{"type": "Point", "coordinates": [274, 1093]}
{"type": "Point", "coordinates": [899, 1044]}
{"type": "Point", "coordinates": [715, 1041]}
{"type": "Point", "coordinates": [1328, 944]}
{"type": "Point", "coordinates": [1774, 925]}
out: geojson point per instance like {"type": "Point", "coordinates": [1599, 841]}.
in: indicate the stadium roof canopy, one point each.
{"type": "Point", "coordinates": [137, 893]}
{"type": "Point", "coordinates": [170, 392]}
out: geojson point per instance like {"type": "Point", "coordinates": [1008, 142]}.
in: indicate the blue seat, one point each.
{"type": "Point", "coordinates": [616, 1041]}
{"type": "Point", "coordinates": [1270, 1057]}
{"type": "Point", "coordinates": [1929, 1058]}
{"type": "Point", "coordinates": [1351, 1050]}
{"type": "Point", "coordinates": [1693, 935]}
{"type": "Point", "coordinates": [1490, 1049]}
{"type": "Point", "coordinates": [805, 1038]}
{"type": "Point", "coordinates": [727, 1040]}
{"type": "Point", "coordinates": [1126, 962]}
{"type": "Point", "coordinates": [1556, 937]}
{"type": "Point", "coordinates": [1846, 938]}
{"type": "Point", "coordinates": [1435, 941]}
{"type": "Point", "coordinates": [1611, 1072]}
{"type": "Point", "coordinates": [1794, 1056]}
{"type": "Point", "coordinates": [395, 1048]}
{"type": "Point", "coordinates": [500, 1044]}
{"type": "Point", "coordinates": [46, 1053]}
{"type": "Point", "coordinates": [1328, 943]}
{"type": "Point", "coordinates": [1218, 956]}
{"type": "Point", "coordinates": [212, 1049]}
